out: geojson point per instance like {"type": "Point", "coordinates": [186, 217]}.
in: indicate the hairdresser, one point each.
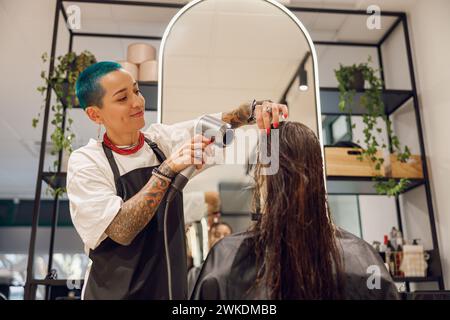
{"type": "Point", "coordinates": [117, 186]}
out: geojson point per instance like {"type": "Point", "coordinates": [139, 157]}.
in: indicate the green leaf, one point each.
{"type": "Point", "coordinates": [67, 69]}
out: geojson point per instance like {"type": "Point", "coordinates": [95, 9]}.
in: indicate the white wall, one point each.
{"type": "Point", "coordinates": [429, 28]}
{"type": "Point", "coordinates": [25, 32]}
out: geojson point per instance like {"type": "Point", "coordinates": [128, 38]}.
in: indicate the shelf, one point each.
{"type": "Point", "coordinates": [393, 99]}
{"type": "Point", "coordinates": [417, 279]}
{"type": "Point", "coordinates": [352, 185]}
{"type": "Point", "coordinates": [336, 185]}
{"type": "Point", "coordinates": [149, 90]}
{"type": "Point", "coordinates": [54, 282]}
{"type": "Point", "coordinates": [55, 180]}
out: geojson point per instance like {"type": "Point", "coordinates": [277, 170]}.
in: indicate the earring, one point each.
{"type": "Point", "coordinates": [99, 131]}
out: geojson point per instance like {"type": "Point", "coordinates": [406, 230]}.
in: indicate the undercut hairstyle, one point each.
{"type": "Point", "coordinates": [88, 88]}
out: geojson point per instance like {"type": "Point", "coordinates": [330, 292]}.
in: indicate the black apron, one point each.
{"type": "Point", "coordinates": [138, 271]}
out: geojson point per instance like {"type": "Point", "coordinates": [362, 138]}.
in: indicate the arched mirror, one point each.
{"type": "Point", "coordinates": [217, 54]}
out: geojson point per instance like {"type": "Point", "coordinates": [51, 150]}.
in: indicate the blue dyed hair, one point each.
{"type": "Point", "coordinates": [88, 89]}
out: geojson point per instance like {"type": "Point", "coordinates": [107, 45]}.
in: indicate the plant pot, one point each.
{"type": "Point", "coordinates": [356, 82]}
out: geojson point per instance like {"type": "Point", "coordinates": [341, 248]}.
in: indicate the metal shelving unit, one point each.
{"type": "Point", "coordinates": [351, 185]}
{"type": "Point", "coordinates": [393, 99]}
{"type": "Point", "coordinates": [58, 179]}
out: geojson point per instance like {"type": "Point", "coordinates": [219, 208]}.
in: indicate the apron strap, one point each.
{"type": "Point", "coordinates": [159, 154]}
{"type": "Point", "coordinates": [112, 161]}
{"type": "Point", "coordinates": [161, 157]}
{"type": "Point", "coordinates": [114, 168]}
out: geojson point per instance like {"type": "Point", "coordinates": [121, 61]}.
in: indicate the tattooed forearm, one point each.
{"type": "Point", "coordinates": [136, 212]}
{"type": "Point", "coordinates": [238, 116]}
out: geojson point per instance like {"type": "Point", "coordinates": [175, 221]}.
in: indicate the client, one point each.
{"type": "Point", "coordinates": [293, 251]}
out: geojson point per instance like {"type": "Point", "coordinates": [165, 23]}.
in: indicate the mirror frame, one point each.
{"type": "Point", "coordinates": [289, 14]}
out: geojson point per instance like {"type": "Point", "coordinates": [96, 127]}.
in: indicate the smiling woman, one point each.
{"type": "Point", "coordinates": [117, 188]}
{"type": "Point", "coordinates": [121, 108]}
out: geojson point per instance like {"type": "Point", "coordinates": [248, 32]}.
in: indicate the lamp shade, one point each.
{"type": "Point", "coordinates": [130, 67]}
{"type": "Point", "coordinates": [148, 71]}
{"type": "Point", "coordinates": [140, 52]}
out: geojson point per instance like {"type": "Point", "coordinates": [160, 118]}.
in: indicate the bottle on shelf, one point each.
{"type": "Point", "coordinates": [399, 241]}
{"type": "Point", "coordinates": [382, 251]}
{"type": "Point", "coordinates": [399, 254]}
{"type": "Point", "coordinates": [387, 253]}
{"type": "Point", "coordinates": [393, 237]}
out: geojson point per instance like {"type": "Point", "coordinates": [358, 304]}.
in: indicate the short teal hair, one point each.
{"type": "Point", "coordinates": [88, 89]}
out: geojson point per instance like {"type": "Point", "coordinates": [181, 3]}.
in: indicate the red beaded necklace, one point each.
{"type": "Point", "coordinates": [127, 151]}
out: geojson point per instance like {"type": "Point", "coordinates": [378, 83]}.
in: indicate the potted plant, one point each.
{"type": "Point", "coordinates": [62, 82]}
{"type": "Point", "coordinates": [349, 82]}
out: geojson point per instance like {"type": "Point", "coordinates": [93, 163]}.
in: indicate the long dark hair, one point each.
{"type": "Point", "coordinates": [296, 249]}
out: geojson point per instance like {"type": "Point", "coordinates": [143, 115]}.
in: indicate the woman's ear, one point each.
{"type": "Point", "coordinates": [94, 114]}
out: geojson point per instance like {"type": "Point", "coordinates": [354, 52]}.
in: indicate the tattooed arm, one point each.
{"type": "Point", "coordinates": [237, 117]}
{"type": "Point", "coordinates": [137, 211]}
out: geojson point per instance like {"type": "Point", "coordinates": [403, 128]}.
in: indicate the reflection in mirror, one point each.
{"type": "Point", "coordinates": [216, 55]}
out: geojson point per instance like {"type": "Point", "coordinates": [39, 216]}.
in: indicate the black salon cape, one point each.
{"type": "Point", "coordinates": [229, 271]}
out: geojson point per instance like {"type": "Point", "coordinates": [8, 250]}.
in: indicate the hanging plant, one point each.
{"type": "Point", "coordinates": [62, 82]}
{"type": "Point", "coordinates": [349, 79]}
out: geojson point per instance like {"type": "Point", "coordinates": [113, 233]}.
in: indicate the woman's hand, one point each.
{"type": "Point", "coordinates": [191, 152]}
{"type": "Point", "coordinates": [267, 112]}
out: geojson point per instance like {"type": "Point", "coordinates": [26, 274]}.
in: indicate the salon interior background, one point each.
{"type": "Point", "coordinates": [25, 33]}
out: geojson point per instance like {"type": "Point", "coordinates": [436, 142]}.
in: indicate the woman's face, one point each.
{"type": "Point", "coordinates": [218, 232]}
{"type": "Point", "coordinates": [123, 104]}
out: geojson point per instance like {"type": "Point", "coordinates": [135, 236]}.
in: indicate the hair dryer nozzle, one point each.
{"type": "Point", "coordinates": [217, 130]}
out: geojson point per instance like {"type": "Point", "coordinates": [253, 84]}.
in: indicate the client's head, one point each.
{"type": "Point", "coordinates": [218, 231]}
{"type": "Point", "coordinates": [295, 241]}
